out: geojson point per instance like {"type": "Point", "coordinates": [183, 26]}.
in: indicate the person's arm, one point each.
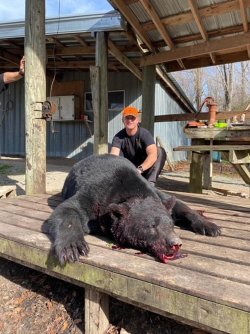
{"type": "Point", "coordinates": [115, 150]}
{"type": "Point", "coordinates": [151, 151]}
{"type": "Point", "coordinates": [9, 77]}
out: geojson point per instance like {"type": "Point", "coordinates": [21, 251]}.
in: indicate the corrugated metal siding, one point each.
{"type": "Point", "coordinates": [74, 139]}
{"type": "Point", "coordinates": [12, 138]}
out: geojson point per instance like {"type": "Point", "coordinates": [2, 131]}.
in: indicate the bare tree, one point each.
{"type": "Point", "coordinates": [227, 72]}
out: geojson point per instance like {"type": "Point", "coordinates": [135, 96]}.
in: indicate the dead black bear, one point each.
{"type": "Point", "coordinates": [105, 193]}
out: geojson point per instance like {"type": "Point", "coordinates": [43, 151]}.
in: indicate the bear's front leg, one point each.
{"type": "Point", "coordinates": [66, 229]}
{"type": "Point", "coordinates": [194, 221]}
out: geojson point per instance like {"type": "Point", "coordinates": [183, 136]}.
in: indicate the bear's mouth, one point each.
{"type": "Point", "coordinates": [172, 255]}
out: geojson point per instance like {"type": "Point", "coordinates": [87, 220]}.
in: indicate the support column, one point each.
{"type": "Point", "coordinates": [148, 97]}
{"type": "Point", "coordinates": [35, 93]}
{"type": "Point", "coordinates": [99, 78]}
{"type": "Point", "coordinates": [96, 311]}
{"type": "Point", "coordinates": [196, 169]}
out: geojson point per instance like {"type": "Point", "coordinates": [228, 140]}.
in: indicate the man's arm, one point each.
{"type": "Point", "coordinates": [115, 150]}
{"type": "Point", "coordinates": [9, 77]}
{"type": "Point", "coordinates": [151, 151]}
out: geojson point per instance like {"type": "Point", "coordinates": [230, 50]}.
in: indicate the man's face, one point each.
{"type": "Point", "coordinates": [130, 122]}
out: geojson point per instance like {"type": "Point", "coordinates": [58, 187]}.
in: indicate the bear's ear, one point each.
{"type": "Point", "coordinates": [169, 203]}
{"type": "Point", "coordinates": [118, 210]}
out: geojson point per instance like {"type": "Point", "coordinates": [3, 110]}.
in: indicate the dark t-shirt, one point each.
{"type": "Point", "coordinates": [3, 86]}
{"type": "Point", "coordinates": [133, 147]}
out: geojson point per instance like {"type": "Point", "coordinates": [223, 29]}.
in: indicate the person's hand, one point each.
{"type": "Point", "coordinates": [22, 66]}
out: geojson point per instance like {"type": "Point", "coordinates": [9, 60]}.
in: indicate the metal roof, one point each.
{"type": "Point", "coordinates": [70, 44]}
{"type": "Point", "coordinates": [185, 34]}
{"type": "Point", "coordinates": [66, 25]}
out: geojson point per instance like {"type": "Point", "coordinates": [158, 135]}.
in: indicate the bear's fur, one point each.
{"type": "Point", "coordinates": [106, 194]}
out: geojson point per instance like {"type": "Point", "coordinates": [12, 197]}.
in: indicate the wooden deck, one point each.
{"type": "Point", "coordinates": [209, 288]}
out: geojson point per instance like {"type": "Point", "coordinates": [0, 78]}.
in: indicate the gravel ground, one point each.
{"type": "Point", "coordinates": [34, 303]}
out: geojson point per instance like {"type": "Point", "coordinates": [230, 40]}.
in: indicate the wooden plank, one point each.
{"type": "Point", "coordinates": [231, 133]}
{"type": "Point", "coordinates": [155, 296]}
{"type": "Point", "coordinates": [22, 203]}
{"type": "Point", "coordinates": [213, 147]}
{"type": "Point", "coordinates": [239, 157]}
{"type": "Point", "coordinates": [188, 308]}
{"type": "Point", "coordinates": [201, 116]}
{"type": "Point", "coordinates": [226, 43]}
{"type": "Point", "coordinates": [168, 276]}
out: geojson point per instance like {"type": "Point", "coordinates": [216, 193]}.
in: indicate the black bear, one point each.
{"type": "Point", "coordinates": [106, 194]}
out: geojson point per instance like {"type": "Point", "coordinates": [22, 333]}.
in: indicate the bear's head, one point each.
{"type": "Point", "coordinates": [146, 224]}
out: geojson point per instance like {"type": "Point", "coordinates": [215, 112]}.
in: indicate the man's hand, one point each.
{"type": "Point", "coordinates": [22, 66]}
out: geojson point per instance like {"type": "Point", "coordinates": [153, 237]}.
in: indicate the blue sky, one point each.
{"type": "Point", "coordinates": [14, 10]}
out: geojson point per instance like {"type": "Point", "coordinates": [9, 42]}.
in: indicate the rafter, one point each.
{"type": "Point", "coordinates": [131, 18]}
{"type": "Point", "coordinates": [243, 14]}
{"type": "Point", "coordinates": [195, 11]}
{"type": "Point", "coordinates": [124, 60]}
{"type": "Point", "coordinates": [72, 50]}
{"type": "Point", "coordinates": [159, 26]}
{"type": "Point", "coordinates": [208, 11]}
{"type": "Point", "coordinates": [157, 22]}
{"type": "Point", "coordinates": [80, 40]}
{"type": "Point", "coordinates": [228, 43]}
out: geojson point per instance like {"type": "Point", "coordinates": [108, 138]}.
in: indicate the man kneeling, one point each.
{"type": "Point", "coordinates": [138, 146]}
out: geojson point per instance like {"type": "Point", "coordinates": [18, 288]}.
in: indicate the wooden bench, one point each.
{"type": "Point", "coordinates": [209, 288]}
{"type": "Point", "coordinates": [201, 169]}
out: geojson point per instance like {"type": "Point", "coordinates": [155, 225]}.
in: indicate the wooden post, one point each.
{"type": "Point", "coordinates": [148, 98]}
{"type": "Point", "coordinates": [96, 311]}
{"type": "Point", "coordinates": [35, 93]}
{"type": "Point", "coordinates": [207, 179]}
{"type": "Point", "coordinates": [100, 95]}
{"type": "Point", "coordinates": [196, 169]}
{"type": "Point", "coordinates": [95, 83]}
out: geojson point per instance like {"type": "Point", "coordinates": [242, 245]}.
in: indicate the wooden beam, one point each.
{"type": "Point", "coordinates": [157, 22]}
{"type": "Point", "coordinates": [213, 147]}
{"type": "Point", "coordinates": [200, 116]}
{"type": "Point", "coordinates": [72, 51]}
{"type": "Point", "coordinates": [228, 43]}
{"type": "Point", "coordinates": [195, 11]}
{"type": "Point", "coordinates": [96, 311]}
{"type": "Point", "coordinates": [35, 94]}
{"type": "Point", "coordinates": [207, 11]}
{"type": "Point", "coordinates": [101, 143]}
{"type": "Point", "coordinates": [125, 61]}
{"type": "Point", "coordinates": [198, 21]}
{"type": "Point", "coordinates": [243, 13]}
{"type": "Point", "coordinates": [148, 98]}
{"type": "Point", "coordinates": [131, 18]}
{"type": "Point", "coordinates": [159, 26]}
{"type": "Point", "coordinates": [80, 40]}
